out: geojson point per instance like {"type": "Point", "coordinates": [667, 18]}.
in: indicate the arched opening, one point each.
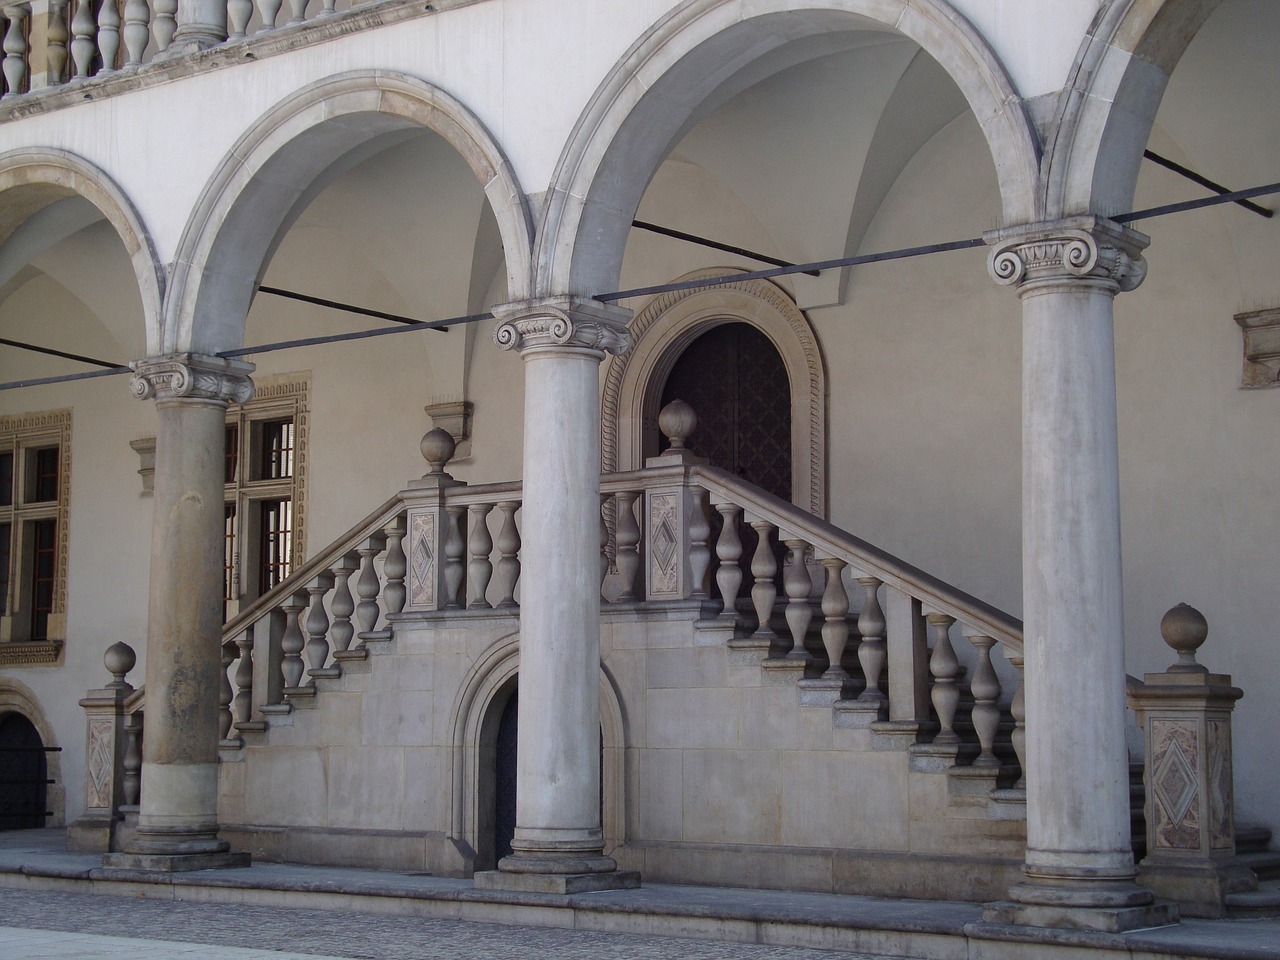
{"type": "Point", "coordinates": [24, 775]}
{"type": "Point", "coordinates": [496, 787]}
{"type": "Point", "coordinates": [736, 382]}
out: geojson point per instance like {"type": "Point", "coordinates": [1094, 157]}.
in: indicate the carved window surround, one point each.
{"type": "Point", "coordinates": [1261, 333]}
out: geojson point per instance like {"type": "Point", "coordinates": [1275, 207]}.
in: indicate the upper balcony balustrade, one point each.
{"type": "Point", "coordinates": [60, 52]}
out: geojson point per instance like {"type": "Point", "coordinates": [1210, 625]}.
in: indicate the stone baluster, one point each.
{"type": "Point", "coordinates": [291, 644]}
{"type": "Point", "coordinates": [798, 585]}
{"type": "Point", "coordinates": [299, 10]}
{"type": "Point", "coordinates": [699, 549]}
{"type": "Point", "coordinates": [137, 32]}
{"type": "Point", "coordinates": [945, 668]}
{"type": "Point", "coordinates": [318, 631]}
{"type": "Point", "coordinates": [985, 687]}
{"type": "Point", "coordinates": [455, 549]}
{"type": "Point", "coordinates": [108, 35]}
{"type": "Point", "coordinates": [627, 539]}
{"type": "Point", "coordinates": [56, 54]}
{"type": "Point", "coordinates": [1018, 710]}
{"type": "Point", "coordinates": [835, 625]}
{"type": "Point", "coordinates": [15, 50]}
{"type": "Point", "coordinates": [328, 9]}
{"type": "Point", "coordinates": [394, 567]}
{"type": "Point", "coordinates": [479, 568]}
{"type": "Point", "coordinates": [242, 706]}
{"type": "Point", "coordinates": [342, 605]}
{"type": "Point", "coordinates": [508, 544]}
{"type": "Point", "coordinates": [729, 553]}
{"type": "Point", "coordinates": [871, 650]}
{"type": "Point", "coordinates": [764, 567]}
{"type": "Point", "coordinates": [165, 23]}
{"type": "Point", "coordinates": [84, 29]}
{"type": "Point", "coordinates": [225, 695]}
{"type": "Point", "coordinates": [368, 586]}
{"type": "Point", "coordinates": [132, 763]}
{"type": "Point", "coordinates": [239, 13]}
{"type": "Point", "coordinates": [270, 9]}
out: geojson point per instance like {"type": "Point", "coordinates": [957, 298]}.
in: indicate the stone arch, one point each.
{"type": "Point", "coordinates": [669, 323]}
{"type": "Point", "coordinates": [45, 176]}
{"type": "Point", "coordinates": [656, 90]}
{"type": "Point", "coordinates": [18, 698]}
{"type": "Point", "coordinates": [282, 162]}
{"type": "Point", "coordinates": [1106, 111]}
{"type": "Point", "coordinates": [480, 703]}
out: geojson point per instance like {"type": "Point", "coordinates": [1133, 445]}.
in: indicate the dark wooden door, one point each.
{"type": "Point", "coordinates": [504, 785]}
{"type": "Point", "coordinates": [23, 774]}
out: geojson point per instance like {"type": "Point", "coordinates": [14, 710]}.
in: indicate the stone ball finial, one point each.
{"type": "Point", "coordinates": [437, 449]}
{"type": "Point", "coordinates": [677, 421]}
{"type": "Point", "coordinates": [1184, 628]}
{"type": "Point", "coordinates": [119, 660]}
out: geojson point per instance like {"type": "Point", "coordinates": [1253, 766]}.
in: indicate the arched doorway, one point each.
{"type": "Point", "coordinates": [23, 774]}
{"type": "Point", "coordinates": [504, 779]}
{"type": "Point", "coordinates": [736, 382]}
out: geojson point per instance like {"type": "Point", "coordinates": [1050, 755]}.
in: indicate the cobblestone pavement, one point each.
{"type": "Point", "coordinates": [159, 929]}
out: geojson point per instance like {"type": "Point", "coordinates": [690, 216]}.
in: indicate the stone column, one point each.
{"type": "Point", "coordinates": [1079, 865]}
{"type": "Point", "coordinates": [178, 821]}
{"type": "Point", "coordinates": [559, 845]}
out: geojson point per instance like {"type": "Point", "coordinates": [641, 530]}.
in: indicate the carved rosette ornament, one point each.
{"type": "Point", "coordinates": [1078, 249]}
{"type": "Point", "coordinates": [184, 376]}
{"type": "Point", "coordinates": [562, 323]}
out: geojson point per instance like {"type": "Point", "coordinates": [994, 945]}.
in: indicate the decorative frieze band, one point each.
{"type": "Point", "coordinates": [562, 322]}
{"type": "Point", "coordinates": [190, 376]}
{"type": "Point", "coordinates": [1077, 248]}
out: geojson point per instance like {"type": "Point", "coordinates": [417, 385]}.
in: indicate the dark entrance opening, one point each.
{"type": "Point", "coordinates": [23, 774]}
{"type": "Point", "coordinates": [504, 792]}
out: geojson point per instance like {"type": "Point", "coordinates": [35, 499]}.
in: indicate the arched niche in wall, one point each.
{"type": "Point", "coordinates": [672, 321]}
{"type": "Point", "coordinates": [17, 698]}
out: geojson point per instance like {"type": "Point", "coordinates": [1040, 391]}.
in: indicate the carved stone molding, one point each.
{"type": "Point", "coordinates": [1261, 333]}
{"type": "Point", "coordinates": [190, 376]}
{"type": "Point", "coordinates": [562, 323]}
{"type": "Point", "coordinates": [1075, 249]}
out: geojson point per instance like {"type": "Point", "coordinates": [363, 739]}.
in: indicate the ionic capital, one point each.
{"type": "Point", "coordinates": [562, 323]}
{"type": "Point", "coordinates": [1077, 249]}
{"type": "Point", "coordinates": [183, 376]}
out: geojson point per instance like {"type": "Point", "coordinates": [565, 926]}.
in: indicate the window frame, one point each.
{"type": "Point", "coordinates": [25, 435]}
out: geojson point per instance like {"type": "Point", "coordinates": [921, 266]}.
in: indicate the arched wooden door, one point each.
{"type": "Point", "coordinates": [737, 384]}
{"type": "Point", "coordinates": [23, 774]}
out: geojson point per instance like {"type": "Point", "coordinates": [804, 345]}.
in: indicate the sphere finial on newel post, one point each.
{"type": "Point", "coordinates": [1184, 629]}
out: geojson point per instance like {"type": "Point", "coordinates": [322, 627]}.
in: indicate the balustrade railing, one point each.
{"type": "Point", "coordinates": [49, 43]}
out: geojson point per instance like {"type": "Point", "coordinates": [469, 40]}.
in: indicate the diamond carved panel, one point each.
{"type": "Point", "coordinates": [664, 539]}
{"type": "Point", "coordinates": [422, 560]}
{"type": "Point", "coordinates": [101, 763]}
{"type": "Point", "coordinates": [1175, 784]}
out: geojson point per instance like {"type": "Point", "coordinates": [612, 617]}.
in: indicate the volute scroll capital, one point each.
{"type": "Point", "coordinates": [568, 323]}
{"type": "Point", "coordinates": [1086, 248]}
{"type": "Point", "coordinates": [182, 376]}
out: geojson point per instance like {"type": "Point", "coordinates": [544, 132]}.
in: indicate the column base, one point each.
{"type": "Point", "coordinates": [1110, 906]}
{"type": "Point", "coordinates": [1200, 888]}
{"type": "Point", "coordinates": [556, 883]}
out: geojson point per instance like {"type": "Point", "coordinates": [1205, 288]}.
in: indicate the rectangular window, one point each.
{"type": "Point", "coordinates": [276, 451]}
{"type": "Point", "coordinates": [44, 480]}
{"type": "Point", "coordinates": [6, 479]}
{"type": "Point", "coordinates": [231, 455]}
{"type": "Point", "coordinates": [228, 556]}
{"type": "Point", "coordinates": [44, 565]}
{"type": "Point", "coordinates": [6, 531]}
{"type": "Point", "coordinates": [275, 533]}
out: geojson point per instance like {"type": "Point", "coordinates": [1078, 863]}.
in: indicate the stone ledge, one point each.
{"type": "Point", "coordinates": [561, 884]}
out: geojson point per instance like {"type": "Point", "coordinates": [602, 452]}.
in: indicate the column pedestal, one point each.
{"type": "Point", "coordinates": [178, 820]}
{"type": "Point", "coordinates": [558, 845]}
{"type": "Point", "coordinates": [1079, 864]}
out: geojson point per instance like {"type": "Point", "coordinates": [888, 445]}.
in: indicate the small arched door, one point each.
{"type": "Point", "coordinates": [23, 774]}
{"type": "Point", "coordinates": [736, 382]}
{"type": "Point", "coordinates": [504, 786]}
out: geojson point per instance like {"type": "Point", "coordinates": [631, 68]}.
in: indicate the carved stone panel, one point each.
{"type": "Point", "coordinates": [665, 539]}
{"type": "Point", "coordinates": [101, 761]}
{"type": "Point", "coordinates": [422, 560]}
{"type": "Point", "coordinates": [1221, 803]}
{"type": "Point", "coordinates": [1176, 802]}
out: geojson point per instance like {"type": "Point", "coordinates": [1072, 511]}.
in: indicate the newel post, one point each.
{"type": "Point", "coordinates": [677, 556]}
{"type": "Point", "coordinates": [1185, 717]}
{"type": "Point", "coordinates": [105, 741]}
{"type": "Point", "coordinates": [428, 527]}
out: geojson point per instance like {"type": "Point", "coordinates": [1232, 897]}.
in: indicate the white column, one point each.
{"type": "Point", "coordinates": [178, 820]}
{"type": "Point", "coordinates": [1079, 863]}
{"type": "Point", "coordinates": [562, 343]}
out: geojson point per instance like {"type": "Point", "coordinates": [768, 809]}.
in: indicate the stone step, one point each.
{"type": "Point", "coordinates": [1255, 904]}
{"type": "Point", "coordinates": [1253, 839]}
{"type": "Point", "coordinates": [1264, 863]}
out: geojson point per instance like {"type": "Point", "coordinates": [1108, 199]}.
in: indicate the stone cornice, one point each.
{"type": "Point", "coordinates": [1067, 251]}
{"type": "Point", "coordinates": [562, 323]}
{"type": "Point", "coordinates": [188, 376]}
